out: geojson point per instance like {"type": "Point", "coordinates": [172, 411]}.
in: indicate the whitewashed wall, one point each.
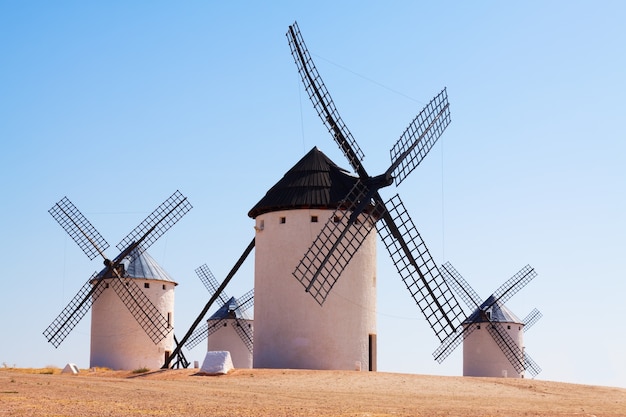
{"type": "Point", "coordinates": [118, 341]}
{"type": "Point", "coordinates": [227, 338]}
{"type": "Point", "coordinates": [483, 357]}
{"type": "Point", "coordinates": [291, 330]}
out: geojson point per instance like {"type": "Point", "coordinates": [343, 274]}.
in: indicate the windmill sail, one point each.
{"type": "Point", "coordinates": [491, 313]}
{"type": "Point", "coordinates": [338, 241]}
{"type": "Point", "coordinates": [79, 228]}
{"type": "Point", "coordinates": [93, 244]}
{"type": "Point", "coordinates": [326, 259]}
{"type": "Point", "coordinates": [74, 312]}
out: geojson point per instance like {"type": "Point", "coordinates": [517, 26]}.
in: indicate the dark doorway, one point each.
{"type": "Point", "coordinates": [372, 352]}
{"type": "Point", "coordinates": [167, 356]}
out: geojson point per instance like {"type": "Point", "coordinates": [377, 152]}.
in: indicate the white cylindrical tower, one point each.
{"type": "Point", "coordinates": [233, 333]}
{"type": "Point", "coordinates": [117, 340]}
{"type": "Point", "coordinates": [482, 356]}
{"type": "Point", "coordinates": [291, 330]}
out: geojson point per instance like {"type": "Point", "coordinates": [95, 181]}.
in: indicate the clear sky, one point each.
{"type": "Point", "coordinates": [117, 105]}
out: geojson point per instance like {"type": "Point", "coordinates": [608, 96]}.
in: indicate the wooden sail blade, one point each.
{"type": "Point", "coordinates": [244, 330]}
{"type": "Point", "coordinates": [322, 102]}
{"type": "Point", "coordinates": [142, 309]}
{"type": "Point", "coordinates": [514, 284]}
{"type": "Point", "coordinates": [532, 318]}
{"type": "Point", "coordinates": [460, 286]}
{"type": "Point", "coordinates": [451, 342]}
{"type": "Point", "coordinates": [79, 228]}
{"type": "Point", "coordinates": [338, 241]}
{"type": "Point", "coordinates": [210, 282]}
{"type": "Point", "coordinates": [74, 312]}
{"type": "Point", "coordinates": [157, 223]}
{"type": "Point", "coordinates": [419, 137]}
{"type": "Point", "coordinates": [419, 271]}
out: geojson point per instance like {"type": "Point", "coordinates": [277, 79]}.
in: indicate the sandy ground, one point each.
{"type": "Point", "coordinates": [262, 392]}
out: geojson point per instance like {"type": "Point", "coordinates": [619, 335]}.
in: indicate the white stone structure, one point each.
{"type": "Point", "coordinates": [70, 368]}
{"type": "Point", "coordinates": [217, 363]}
{"type": "Point", "coordinates": [117, 340]}
{"type": "Point", "coordinates": [228, 337]}
{"type": "Point", "coordinates": [291, 330]}
{"type": "Point", "coordinates": [481, 354]}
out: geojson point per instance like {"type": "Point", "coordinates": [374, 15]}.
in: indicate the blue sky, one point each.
{"type": "Point", "coordinates": [118, 105]}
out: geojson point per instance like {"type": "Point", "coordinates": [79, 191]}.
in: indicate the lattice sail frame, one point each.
{"type": "Point", "coordinates": [338, 241]}
{"type": "Point", "coordinates": [420, 136]}
{"type": "Point", "coordinates": [73, 313]}
{"type": "Point", "coordinates": [420, 273]}
{"type": "Point", "coordinates": [142, 309]}
{"type": "Point", "coordinates": [519, 359]}
{"type": "Point", "coordinates": [210, 282]}
{"type": "Point", "coordinates": [79, 228]}
{"type": "Point", "coordinates": [92, 243]}
{"type": "Point", "coordinates": [460, 286]}
{"type": "Point", "coordinates": [532, 318]}
{"type": "Point", "coordinates": [514, 284]}
{"type": "Point", "coordinates": [243, 329]}
{"type": "Point", "coordinates": [158, 222]}
{"type": "Point", "coordinates": [321, 99]}
{"type": "Point", "coordinates": [243, 303]}
{"type": "Point", "coordinates": [412, 146]}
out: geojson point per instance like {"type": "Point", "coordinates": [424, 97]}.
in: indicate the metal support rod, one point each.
{"type": "Point", "coordinates": [208, 305]}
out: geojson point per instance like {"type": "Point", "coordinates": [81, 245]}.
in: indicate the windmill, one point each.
{"type": "Point", "coordinates": [109, 318]}
{"type": "Point", "coordinates": [218, 292]}
{"type": "Point", "coordinates": [229, 328]}
{"type": "Point", "coordinates": [344, 245]}
{"type": "Point", "coordinates": [497, 349]}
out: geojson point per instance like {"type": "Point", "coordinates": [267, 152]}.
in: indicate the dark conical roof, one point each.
{"type": "Point", "coordinates": [314, 182]}
{"type": "Point", "coordinates": [229, 310]}
{"type": "Point", "coordinates": [498, 313]}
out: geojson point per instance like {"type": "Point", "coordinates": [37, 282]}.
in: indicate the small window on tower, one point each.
{"type": "Point", "coordinates": [283, 220]}
{"type": "Point", "coordinates": [478, 327]}
{"type": "Point", "coordinates": [337, 219]}
{"type": "Point", "coordinates": [508, 327]}
{"type": "Point", "coordinates": [313, 219]}
{"type": "Point", "coordinates": [146, 285]}
{"type": "Point", "coordinates": [163, 286]}
{"type": "Point", "coordinates": [169, 319]}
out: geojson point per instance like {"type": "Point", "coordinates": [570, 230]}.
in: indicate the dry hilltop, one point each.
{"type": "Point", "coordinates": [261, 392]}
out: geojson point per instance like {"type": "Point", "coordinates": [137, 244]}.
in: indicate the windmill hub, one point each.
{"type": "Point", "coordinates": [380, 181]}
